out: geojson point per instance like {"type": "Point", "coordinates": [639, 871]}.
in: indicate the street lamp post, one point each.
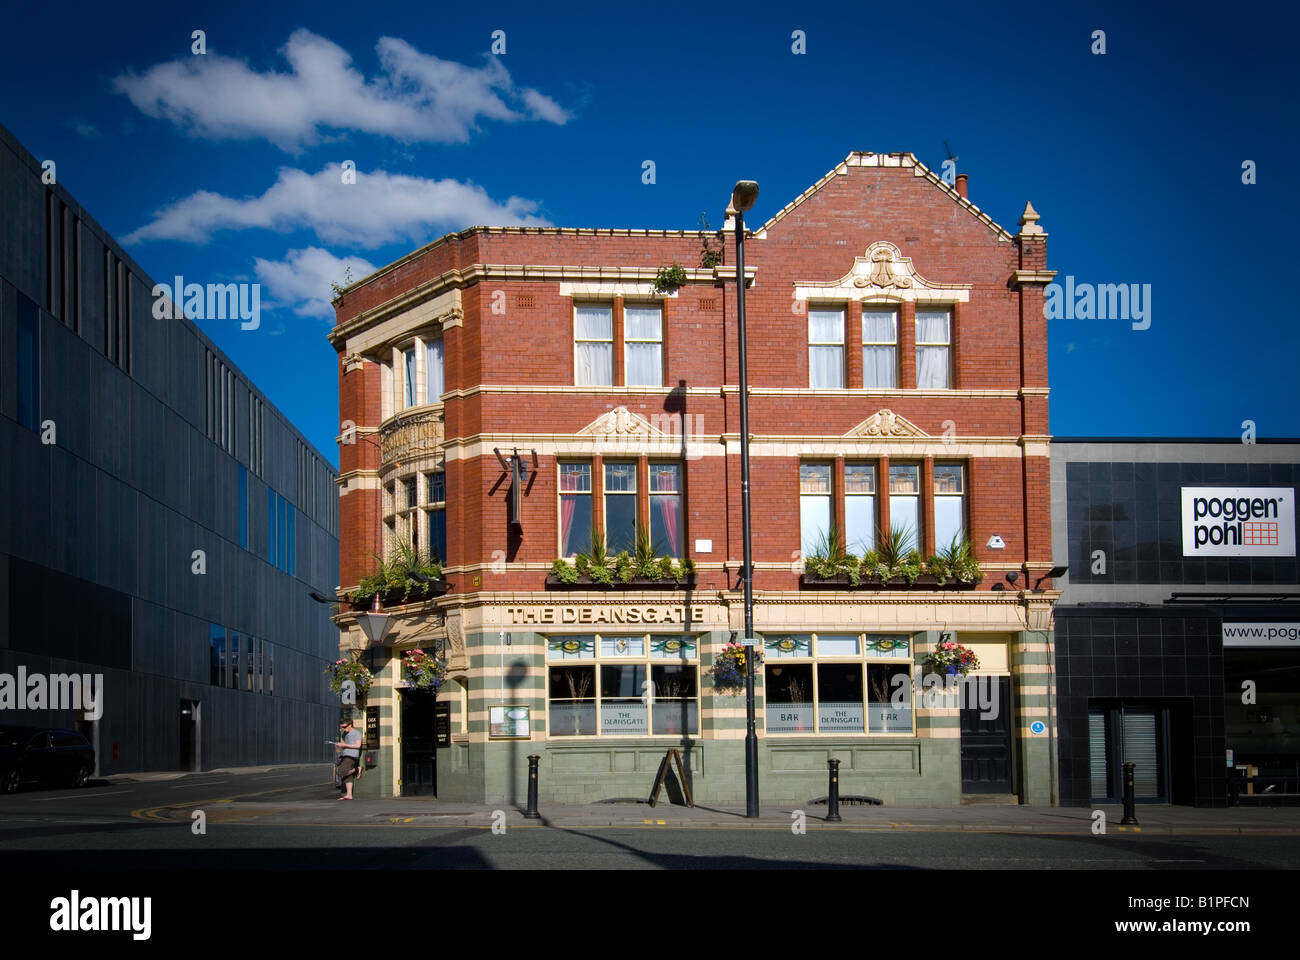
{"type": "Point", "coordinates": [742, 199]}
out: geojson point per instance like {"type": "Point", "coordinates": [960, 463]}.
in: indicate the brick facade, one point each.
{"type": "Point", "coordinates": [878, 229]}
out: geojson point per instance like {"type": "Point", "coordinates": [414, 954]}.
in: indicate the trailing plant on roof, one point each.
{"type": "Point", "coordinates": [668, 279]}
{"type": "Point", "coordinates": [709, 257]}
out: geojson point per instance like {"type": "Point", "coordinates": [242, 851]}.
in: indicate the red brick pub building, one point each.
{"type": "Point", "coordinates": [506, 393]}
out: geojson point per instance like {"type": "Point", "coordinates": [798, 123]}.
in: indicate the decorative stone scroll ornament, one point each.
{"type": "Point", "coordinates": [886, 423]}
{"type": "Point", "coordinates": [882, 257]}
{"type": "Point", "coordinates": [884, 273]}
{"type": "Point", "coordinates": [623, 423]}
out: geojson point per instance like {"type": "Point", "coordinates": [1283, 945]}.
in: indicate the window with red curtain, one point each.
{"type": "Point", "coordinates": [666, 507]}
{"type": "Point", "coordinates": [575, 508]}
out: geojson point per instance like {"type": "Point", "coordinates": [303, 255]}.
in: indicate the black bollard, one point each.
{"type": "Point", "coordinates": [1129, 790]}
{"type": "Point", "coordinates": [833, 793]}
{"type": "Point", "coordinates": [531, 813]}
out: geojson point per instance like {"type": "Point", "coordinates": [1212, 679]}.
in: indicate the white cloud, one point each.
{"type": "Point", "coordinates": [302, 280]}
{"type": "Point", "coordinates": [415, 97]}
{"type": "Point", "coordinates": [379, 208]}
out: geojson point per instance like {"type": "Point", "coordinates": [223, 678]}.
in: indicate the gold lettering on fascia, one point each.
{"type": "Point", "coordinates": [603, 615]}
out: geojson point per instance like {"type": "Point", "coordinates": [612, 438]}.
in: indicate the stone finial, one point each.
{"type": "Point", "coordinates": [1029, 223]}
{"type": "Point", "coordinates": [729, 226]}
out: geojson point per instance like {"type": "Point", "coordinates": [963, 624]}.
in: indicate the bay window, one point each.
{"type": "Point", "coordinates": [643, 348]}
{"type": "Point", "coordinates": [593, 345]}
{"type": "Point", "coordinates": [814, 505]}
{"type": "Point", "coordinates": [666, 507]}
{"type": "Point", "coordinates": [638, 685]}
{"type": "Point", "coordinates": [575, 508]}
{"type": "Point", "coordinates": [879, 347]}
{"type": "Point", "coordinates": [826, 348]}
{"type": "Point", "coordinates": [620, 506]}
{"type": "Point", "coordinates": [905, 502]}
{"type": "Point", "coordinates": [949, 504]}
{"type": "Point", "coordinates": [933, 347]}
{"type": "Point", "coordinates": [838, 683]}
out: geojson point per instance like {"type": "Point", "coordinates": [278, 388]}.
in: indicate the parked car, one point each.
{"type": "Point", "coordinates": [47, 754]}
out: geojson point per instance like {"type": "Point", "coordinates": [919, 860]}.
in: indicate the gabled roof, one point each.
{"type": "Point", "coordinates": [859, 158]}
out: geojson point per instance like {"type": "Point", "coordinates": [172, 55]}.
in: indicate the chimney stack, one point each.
{"type": "Point", "coordinates": [961, 185]}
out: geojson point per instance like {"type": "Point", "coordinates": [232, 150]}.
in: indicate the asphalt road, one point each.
{"type": "Point", "coordinates": [110, 825]}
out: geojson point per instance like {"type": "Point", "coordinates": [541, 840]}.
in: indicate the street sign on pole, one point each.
{"type": "Point", "coordinates": [749, 641]}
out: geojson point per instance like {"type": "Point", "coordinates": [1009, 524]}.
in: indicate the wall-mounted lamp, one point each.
{"type": "Point", "coordinates": [1012, 577]}
{"type": "Point", "coordinates": [1054, 574]}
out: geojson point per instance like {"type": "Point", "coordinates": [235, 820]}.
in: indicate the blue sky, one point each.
{"type": "Point", "coordinates": [223, 167]}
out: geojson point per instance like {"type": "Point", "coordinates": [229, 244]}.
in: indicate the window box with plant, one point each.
{"type": "Point", "coordinates": [893, 564]}
{"type": "Point", "coordinates": [409, 577]}
{"type": "Point", "coordinates": [646, 568]}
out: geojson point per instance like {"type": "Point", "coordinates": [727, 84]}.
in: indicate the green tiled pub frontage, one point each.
{"type": "Point", "coordinates": [521, 669]}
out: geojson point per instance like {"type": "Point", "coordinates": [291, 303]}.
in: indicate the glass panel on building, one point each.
{"type": "Point", "coordinates": [594, 346]}
{"type": "Point", "coordinates": [575, 508]}
{"type": "Point", "coordinates": [814, 505]}
{"type": "Point", "coordinates": [886, 684]}
{"type": "Point", "coordinates": [879, 347]}
{"type": "Point", "coordinates": [573, 701]}
{"type": "Point", "coordinates": [826, 348]}
{"type": "Point", "coordinates": [433, 382]}
{"type": "Point", "coordinates": [620, 507]}
{"type": "Point", "coordinates": [643, 345]}
{"type": "Point", "coordinates": [933, 343]}
{"type": "Point", "coordinates": [789, 690]}
{"type": "Point", "coordinates": [949, 504]}
{"type": "Point", "coordinates": [839, 696]}
{"type": "Point", "coordinates": [905, 502]}
{"type": "Point", "coordinates": [675, 705]}
{"type": "Point", "coordinates": [859, 507]}
{"type": "Point", "coordinates": [666, 508]}
{"type": "Point", "coordinates": [622, 709]}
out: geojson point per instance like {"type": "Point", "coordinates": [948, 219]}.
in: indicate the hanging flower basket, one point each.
{"type": "Point", "coordinates": [952, 659]}
{"type": "Point", "coordinates": [729, 668]}
{"type": "Point", "coordinates": [422, 671]}
{"type": "Point", "coordinates": [341, 671]}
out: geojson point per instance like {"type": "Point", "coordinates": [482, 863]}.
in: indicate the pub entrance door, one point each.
{"type": "Point", "coordinates": [986, 737]}
{"type": "Point", "coordinates": [419, 745]}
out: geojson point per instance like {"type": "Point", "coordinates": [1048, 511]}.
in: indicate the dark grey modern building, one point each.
{"type": "Point", "coordinates": [161, 524]}
{"type": "Point", "coordinates": [1178, 631]}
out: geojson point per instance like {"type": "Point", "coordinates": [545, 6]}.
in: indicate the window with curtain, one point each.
{"type": "Point", "coordinates": [814, 504]}
{"type": "Point", "coordinates": [949, 504]}
{"type": "Point", "coordinates": [666, 507]}
{"type": "Point", "coordinates": [905, 501]}
{"type": "Point", "coordinates": [826, 348]}
{"type": "Point", "coordinates": [575, 508]}
{"type": "Point", "coordinates": [879, 347]}
{"type": "Point", "coordinates": [433, 382]}
{"type": "Point", "coordinates": [859, 507]}
{"type": "Point", "coordinates": [933, 348]}
{"type": "Point", "coordinates": [593, 363]}
{"type": "Point", "coordinates": [643, 345]}
{"type": "Point", "coordinates": [620, 507]}
{"type": "Point", "coordinates": [408, 382]}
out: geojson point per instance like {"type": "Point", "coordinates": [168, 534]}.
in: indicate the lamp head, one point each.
{"type": "Point", "coordinates": [1012, 577]}
{"type": "Point", "coordinates": [744, 195]}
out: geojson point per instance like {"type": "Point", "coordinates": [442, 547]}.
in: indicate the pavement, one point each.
{"type": "Point", "coordinates": [311, 805]}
